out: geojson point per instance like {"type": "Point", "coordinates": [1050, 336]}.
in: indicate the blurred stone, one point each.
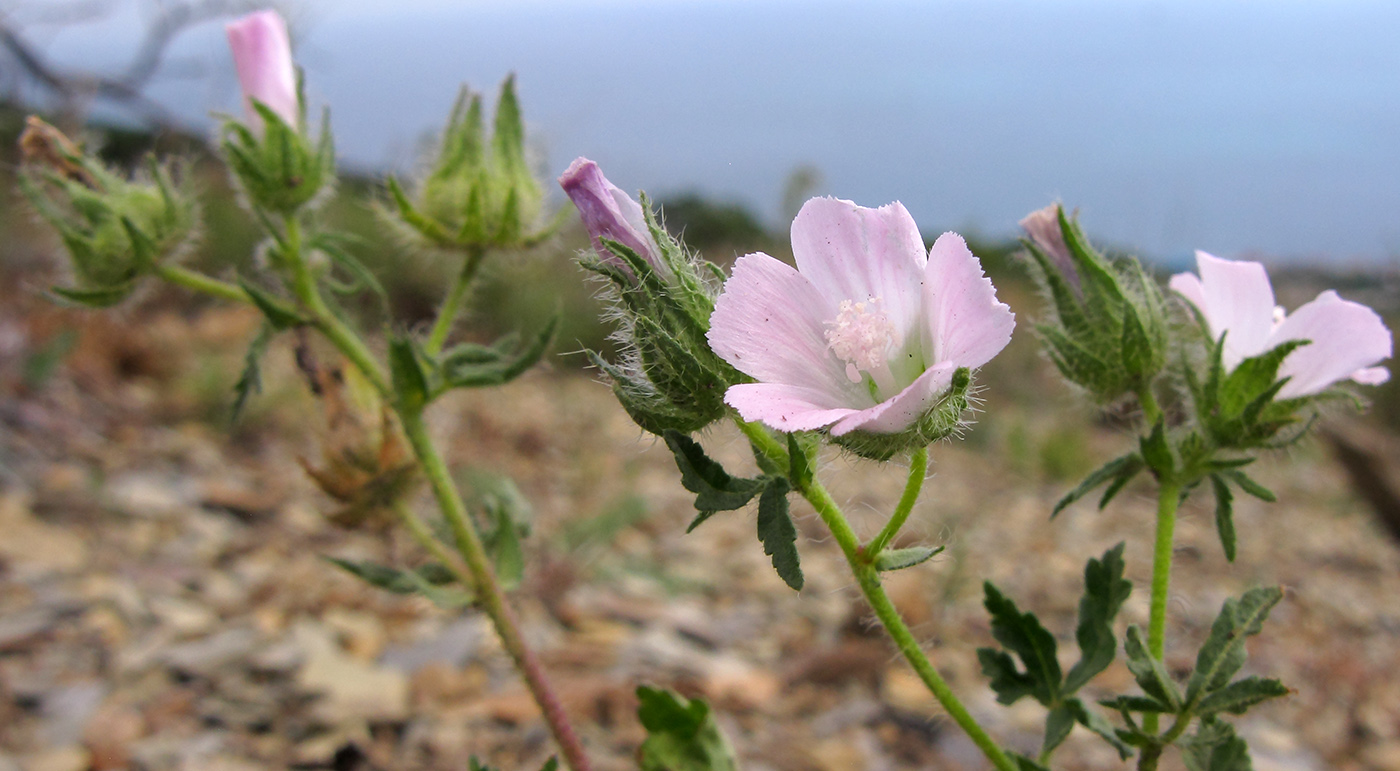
{"type": "Point", "coordinates": [20, 628]}
{"type": "Point", "coordinates": [185, 618]}
{"type": "Point", "coordinates": [731, 683]}
{"type": "Point", "coordinates": [205, 656]}
{"type": "Point", "coordinates": [31, 547]}
{"type": "Point", "coordinates": [453, 645]}
{"type": "Point", "coordinates": [349, 688]}
{"type": "Point", "coordinates": [66, 711]}
{"type": "Point", "coordinates": [361, 634]}
{"type": "Point", "coordinates": [145, 494]}
{"type": "Point", "coordinates": [110, 734]}
{"type": "Point", "coordinates": [57, 759]}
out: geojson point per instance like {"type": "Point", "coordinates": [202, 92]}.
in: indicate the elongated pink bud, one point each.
{"type": "Point", "coordinates": [608, 212]}
{"type": "Point", "coordinates": [262, 54]}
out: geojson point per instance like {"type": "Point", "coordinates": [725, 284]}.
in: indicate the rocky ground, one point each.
{"type": "Point", "coordinates": [164, 604]}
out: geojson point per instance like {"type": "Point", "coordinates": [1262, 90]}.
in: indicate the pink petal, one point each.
{"type": "Point", "coordinates": [900, 412]}
{"type": "Point", "coordinates": [768, 323]}
{"type": "Point", "coordinates": [608, 212]}
{"type": "Point", "coordinates": [1189, 286]}
{"type": "Point", "coordinates": [785, 407]}
{"type": "Point", "coordinates": [1372, 376]}
{"type": "Point", "coordinates": [1043, 227]}
{"type": "Point", "coordinates": [850, 252]}
{"type": "Point", "coordinates": [262, 55]}
{"type": "Point", "coordinates": [1346, 337]}
{"type": "Point", "coordinates": [1238, 298]}
{"type": "Point", "coordinates": [967, 325]}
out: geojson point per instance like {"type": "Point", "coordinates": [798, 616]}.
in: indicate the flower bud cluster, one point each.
{"type": "Point", "coordinates": [115, 230]}
{"type": "Point", "coordinates": [479, 193]}
{"type": "Point", "coordinates": [669, 378]}
{"type": "Point", "coordinates": [1106, 328]}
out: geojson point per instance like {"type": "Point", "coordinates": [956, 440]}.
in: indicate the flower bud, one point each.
{"type": "Point", "coordinates": [669, 378]}
{"type": "Point", "coordinates": [262, 55]}
{"type": "Point", "coordinates": [115, 230]}
{"type": "Point", "coordinates": [1105, 326]}
{"type": "Point", "coordinates": [274, 161]}
{"type": "Point", "coordinates": [478, 194]}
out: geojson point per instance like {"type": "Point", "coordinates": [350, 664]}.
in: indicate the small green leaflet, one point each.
{"type": "Point", "coordinates": [776, 531]}
{"type": "Point", "coordinates": [681, 734]}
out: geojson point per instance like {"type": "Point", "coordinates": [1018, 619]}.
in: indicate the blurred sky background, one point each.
{"type": "Point", "coordinates": [1237, 127]}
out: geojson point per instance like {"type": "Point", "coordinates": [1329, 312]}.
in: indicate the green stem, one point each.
{"type": "Point", "coordinates": [868, 578]}
{"type": "Point", "coordinates": [489, 595]}
{"type": "Point", "coordinates": [326, 322]}
{"type": "Point", "coordinates": [1151, 413]}
{"type": "Point", "coordinates": [918, 469]}
{"type": "Point", "coordinates": [452, 303]}
{"type": "Point", "coordinates": [1168, 498]}
{"type": "Point", "coordinates": [203, 284]}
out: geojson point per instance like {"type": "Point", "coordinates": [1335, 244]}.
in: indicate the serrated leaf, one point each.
{"type": "Point", "coordinates": [1215, 747]}
{"type": "Point", "coordinates": [1024, 763]}
{"type": "Point", "coordinates": [1123, 468]}
{"type": "Point", "coordinates": [460, 371]}
{"type": "Point", "coordinates": [776, 531]}
{"type": "Point", "coordinates": [898, 559]}
{"type": "Point", "coordinates": [250, 380]}
{"type": "Point", "coordinates": [278, 312]}
{"type": "Point", "coordinates": [1096, 723]}
{"type": "Point", "coordinates": [1223, 652]}
{"type": "Point", "coordinates": [1144, 704]}
{"type": "Point", "coordinates": [432, 580]}
{"type": "Point", "coordinates": [406, 371]}
{"type": "Point", "coordinates": [1241, 695]}
{"type": "Point", "coordinates": [1058, 723]}
{"type": "Point", "coordinates": [714, 488]}
{"type": "Point", "coordinates": [681, 734]}
{"type": "Point", "coordinates": [1008, 682]}
{"type": "Point", "coordinates": [1151, 676]}
{"type": "Point", "coordinates": [1105, 591]}
{"type": "Point", "coordinates": [1224, 515]}
{"type": "Point", "coordinates": [1023, 634]}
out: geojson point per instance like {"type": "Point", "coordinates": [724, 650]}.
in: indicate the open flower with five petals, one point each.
{"type": "Point", "coordinates": [1234, 297]}
{"type": "Point", "coordinates": [866, 337]}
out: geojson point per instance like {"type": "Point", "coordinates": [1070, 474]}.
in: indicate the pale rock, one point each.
{"type": "Point", "coordinates": [185, 618]}
{"type": "Point", "coordinates": [57, 759]}
{"type": "Point", "coordinates": [350, 688]}
{"type": "Point", "coordinates": [33, 548]}
{"type": "Point", "coordinates": [205, 656]}
{"type": "Point", "coordinates": [736, 684]}
{"type": "Point", "coordinates": [361, 634]}
{"type": "Point", "coordinates": [146, 495]}
{"type": "Point", "coordinates": [110, 734]}
{"type": "Point", "coordinates": [1383, 757]}
{"type": "Point", "coordinates": [67, 709]}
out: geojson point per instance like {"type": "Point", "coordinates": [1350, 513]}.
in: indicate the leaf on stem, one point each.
{"type": "Point", "coordinates": [1224, 515]}
{"type": "Point", "coordinates": [1215, 747]}
{"type": "Point", "coordinates": [432, 580]}
{"type": "Point", "coordinates": [1151, 676]}
{"type": "Point", "coordinates": [898, 559]}
{"type": "Point", "coordinates": [409, 378]}
{"type": "Point", "coordinates": [1105, 590]}
{"type": "Point", "coordinates": [681, 734]}
{"type": "Point", "coordinates": [1022, 634]}
{"type": "Point", "coordinates": [1098, 725]}
{"type": "Point", "coordinates": [1241, 695]}
{"type": "Point", "coordinates": [1223, 652]}
{"type": "Point", "coordinates": [715, 490]}
{"type": "Point", "coordinates": [250, 380]}
{"type": "Point", "coordinates": [1119, 471]}
{"type": "Point", "coordinates": [776, 531]}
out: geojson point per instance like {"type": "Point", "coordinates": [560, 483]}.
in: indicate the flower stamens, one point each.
{"type": "Point", "coordinates": [861, 336]}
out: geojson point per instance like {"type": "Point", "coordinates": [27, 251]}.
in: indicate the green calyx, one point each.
{"type": "Point", "coordinates": [480, 192]}
{"type": "Point", "coordinates": [114, 229]}
{"type": "Point", "coordinates": [942, 420]}
{"type": "Point", "coordinates": [282, 170]}
{"type": "Point", "coordinates": [1105, 328]}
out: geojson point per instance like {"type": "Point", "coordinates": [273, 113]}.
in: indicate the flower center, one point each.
{"type": "Point", "coordinates": [861, 336]}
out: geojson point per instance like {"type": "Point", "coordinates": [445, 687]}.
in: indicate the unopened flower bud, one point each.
{"type": "Point", "coordinates": [609, 213]}
{"type": "Point", "coordinates": [262, 55]}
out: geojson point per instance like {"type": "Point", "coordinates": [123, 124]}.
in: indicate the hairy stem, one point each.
{"type": "Point", "coordinates": [1168, 498]}
{"type": "Point", "coordinates": [868, 578]}
{"type": "Point", "coordinates": [452, 303]}
{"type": "Point", "coordinates": [918, 469]}
{"type": "Point", "coordinates": [198, 282]}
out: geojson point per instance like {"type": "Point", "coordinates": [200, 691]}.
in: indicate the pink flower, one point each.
{"type": "Point", "coordinates": [866, 333]}
{"type": "Point", "coordinates": [1235, 296]}
{"type": "Point", "coordinates": [262, 54]}
{"type": "Point", "coordinates": [609, 213]}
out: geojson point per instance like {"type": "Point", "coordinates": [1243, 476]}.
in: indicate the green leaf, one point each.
{"type": "Point", "coordinates": [1151, 676]}
{"type": "Point", "coordinates": [250, 381]}
{"type": "Point", "coordinates": [1223, 652]}
{"type": "Point", "coordinates": [1157, 451]}
{"type": "Point", "coordinates": [504, 546]}
{"type": "Point", "coordinates": [1096, 723]}
{"type": "Point", "coordinates": [1009, 683]}
{"type": "Point", "coordinates": [681, 734]}
{"type": "Point", "coordinates": [1137, 348]}
{"type": "Point", "coordinates": [1215, 747]}
{"type": "Point", "coordinates": [1024, 763]}
{"type": "Point", "coordinates": [1253, 376]}
{"type": "Point", "coordinates": [714, 488]}
{"type": "Point", "coordinates": [406, 370]}
{"type": "Point", "coordinates": [1105, 590]}
{"type": "Point", "coordinates": [1224, 515]}
{"type": "Point", "coordinates": [1249, 485]}
{"type": "Point", "coordinates": [431, 580]}
{"type": "Point", "coordinates": [1241, 695]}
{"type": "Point", "coordinates": [776, 531]}
{"type": "Point", "coordinates": [1121, 470]}
{"type": "Point", "coordinates": [104, 297]}
{"type": "Point", "coordinates": [1143, 704]}
{"type": "Point", "coordinates": [898, 559]}
{"type": "Point", "coordinates": [1023, 634]}
{"type": "Point", "coordinates": [461, 371]}
{"type": "Point", "coordinates": [411, 216]}
{"type": "Point", "coordinates": [278, 312]}
{"type": "Point", "coordinates": [1058, 723]}
{"type": "Point", "coordinates": [801, 470]}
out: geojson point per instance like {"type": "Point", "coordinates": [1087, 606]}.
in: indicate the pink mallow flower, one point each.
{"type": "Point", "coordinates": [1235, 296]}
{"type": "Point", "coordinates": [262, 54]}
{"type": "Point", "coordinates": [866, 333]}
{"type": "Point", "coordinates": [609, 213]}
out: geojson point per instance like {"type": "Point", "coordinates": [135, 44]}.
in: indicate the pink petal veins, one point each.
{"type": "Point", "coordinates": [898, 413]}
{"type": "Point", "coordinates": [262, 55]}
{"type": "Point", "coordinates": [608, 212]}
{"type": "Point", "coordinates": [784, 406]}
{"type": "Point", "coordinates": [967, 324]}
{"type": "Point", "coordinates": [1346, 338]}
{"type": "Point", "coordinates": [769, 324]}
{"type": "Point", "coordinates": [850, 252]}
